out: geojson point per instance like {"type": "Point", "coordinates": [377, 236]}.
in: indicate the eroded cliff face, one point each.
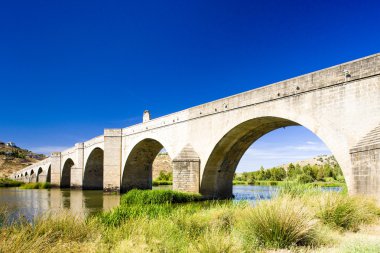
{"type": "Point", "coordinates": [162, 162]}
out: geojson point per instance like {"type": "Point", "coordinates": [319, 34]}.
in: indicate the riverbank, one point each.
{"type": "Point", "coordinates": [36, 186]}
{"type": "Point", "coordinates": [5, 182]}
{"type": "Point", "coordinates": [300, 218]}
{"type": "Point", "coordinates": [281, 183]}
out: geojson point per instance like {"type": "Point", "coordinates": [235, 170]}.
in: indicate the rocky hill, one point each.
{"type": "Point", "coordinates": [162, 163]}
{"type": "Point", "coordinates": [13, 158]}
{"type": "Point", "coordinates": [319, 160]}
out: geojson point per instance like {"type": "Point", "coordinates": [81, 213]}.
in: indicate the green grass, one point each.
{"type": "Point", "coordinates": [143, 197]}
{"type": "Point", "coordinates": [346, 212]}
{"type": "Point", "coordinates": [282, 223]}
{"type": "Point", "coordinates": [36, 186]}
{"type": "Point", "coordinates": [238, 182]}
{"type": "Point", "coordinates": [296, 189]}
{"type": "Point", "coordinates": [328, 184]}
{"type": "Point", "coordinates": [6, 182]}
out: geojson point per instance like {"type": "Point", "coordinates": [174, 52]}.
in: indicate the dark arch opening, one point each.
{"type": "Point", "coordinates": [48, 175]}
{"type": "Point", "coordinates": [137, 171]}
{"type": "Point", "coordinates": [94, 172]}
{"type": "Point", "coordinates": [66, 173]}
{"type": "Point", "coordinates": [39, 174]}
{"type": "Point", "coordinates": [217, 180]}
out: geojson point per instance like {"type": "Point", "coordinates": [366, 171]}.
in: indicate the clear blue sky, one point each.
{"type": "Point", "coordinates": [69, 69]}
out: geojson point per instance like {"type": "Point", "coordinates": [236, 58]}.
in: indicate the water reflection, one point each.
{"type": "Point", "coordinates": [253, 192]}
{"type": "Point", "coordinates": [31, 203]}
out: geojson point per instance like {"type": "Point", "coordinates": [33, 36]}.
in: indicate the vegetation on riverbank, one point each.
{"type": "Point", "coordinates": [36, 186]}
{"type": "Point", "coordinates": [300, 218]}
{"type": "Point", "coordinates": [164, 178]}
{"type": "Point", "coordinates": [6, 182]}
{"type": "Point", "coordinates": [327, 175]}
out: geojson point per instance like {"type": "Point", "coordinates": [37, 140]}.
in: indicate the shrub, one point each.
{"type": "Point", "coordinates": [160, 182]}
{"type": "Point", "coordinates": [281, 223]}
{"type": "Point", "coordinates": [36, 186]}
{"type": "Point", "coordinates": [165, 176]}
{"type": "Point", "coordinates": [6, 182]}
{"type": "Point", "coordinates": [346, 212]}
{"type": "Point", "coordinates": [304, 179]}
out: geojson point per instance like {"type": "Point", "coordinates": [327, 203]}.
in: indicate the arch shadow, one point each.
{"type": "Point", "coordinates": [66, 173]}
{"type": "Point", "coordinates": [137, 171]}
{"type": "Point", "coordinates": [94, 171]}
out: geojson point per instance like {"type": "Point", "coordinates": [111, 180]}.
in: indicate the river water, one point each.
{"type": "Point", "coordinates": [31, 203]}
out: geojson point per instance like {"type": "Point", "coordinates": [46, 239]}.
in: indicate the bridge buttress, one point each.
{"type": "Point", "coordinates": [56, 169]}
{"type": "Point", "coordinates": [112, 159]}
{"type": "Point", "coordinates": [77, 169]}
{"type": "Point", "coordinates": [186, 170]}
{"type": "Point", "coordinates": [365, 158]}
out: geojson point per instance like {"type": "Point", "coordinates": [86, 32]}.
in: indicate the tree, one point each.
{"type": "Point", "coordinates": [304, 179]}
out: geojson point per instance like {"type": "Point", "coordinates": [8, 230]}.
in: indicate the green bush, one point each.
{"type": "Point", "coordinates": [165, 176]}
{"type": "Point", "coordinates": [36, 186]}
{"type": "Point", "coordinates": [160, 182]}
{"type": "Point", "coordinates": [238, 182]}
{"type": "Point", "coordinates": [6, 182]}
{"type": "Point", "coordinates": [281, 223]}
{"type": "Point", "coordinates": [305, 178]}
{"type": "Point", "coordinates": [346, 212]}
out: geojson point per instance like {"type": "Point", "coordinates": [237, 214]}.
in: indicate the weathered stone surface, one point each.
{"type": "Point", "coordinates": [186, 169]}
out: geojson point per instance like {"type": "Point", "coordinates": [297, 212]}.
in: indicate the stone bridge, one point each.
{"type": "Point", "coordinates": [340, 105]}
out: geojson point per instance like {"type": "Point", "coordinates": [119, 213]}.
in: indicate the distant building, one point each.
{"type": "Point", "coordinates": [11, 144]}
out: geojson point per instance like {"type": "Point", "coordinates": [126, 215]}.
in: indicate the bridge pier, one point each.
{"type": "Point", "coordinates": [186, 171]}
{"type": "Point", "coordinates": [112, 159]}
{"type": "Point", "coordinates": [77, 170]}
{"type": "Point", "coordinates": [56, 169]}
{"type": "Point", "coordinates": [365, 158]}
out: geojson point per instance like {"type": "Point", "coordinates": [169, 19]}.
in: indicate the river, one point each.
{"type": "Point", "coordinates": [31, 203]}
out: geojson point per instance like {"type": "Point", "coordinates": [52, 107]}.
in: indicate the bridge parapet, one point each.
{"type": "Point", "coordinates": [336, 75]}
{"type": "Point", "coordinates": [94, 141]}
{"type": "Point", "coordinates": [69, 151]}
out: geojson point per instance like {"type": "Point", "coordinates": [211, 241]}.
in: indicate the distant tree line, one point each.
{"type": "Point", "coordinates": [306, 174]}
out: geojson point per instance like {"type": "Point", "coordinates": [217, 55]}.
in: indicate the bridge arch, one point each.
{"type": "Point", "coordinates": [137, 172]}
{"type": "Point", "coordinates": [48, 174]}
{"type": "Point", "coordinates": [66, 173]}
{"type": "Point", "coordinates": [39, 172]}
{"type": "Point", "coordinates": [94, 171]}
{"type": "Point", "coordinates": [220, 167]}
